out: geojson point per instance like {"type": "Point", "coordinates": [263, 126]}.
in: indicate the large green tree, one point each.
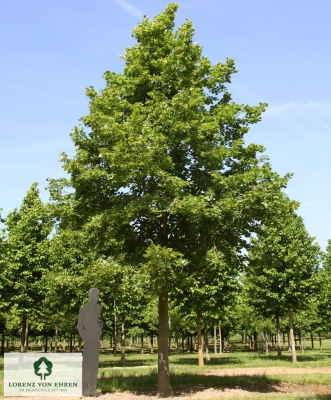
{"type": "Point", "coordinates": [283, 271]}
{"type": "Point", "coordinates": [163, 156]}
{"type": "Point", "coordinates": [24, 260]}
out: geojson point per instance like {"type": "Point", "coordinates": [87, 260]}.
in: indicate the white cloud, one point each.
{"type": "Point", "coordinates": [129, 8]}
{"type": "Point", "coordinates": [300, 108]}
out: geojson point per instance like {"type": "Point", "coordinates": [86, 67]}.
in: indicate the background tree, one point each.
{"type": "Point", "coordinates": [25, 259]}
{"type": "Point", "coordinates": [283, 269]}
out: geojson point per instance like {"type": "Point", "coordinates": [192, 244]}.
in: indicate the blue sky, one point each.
{"type": "Point", "coordinates": [51, 51]}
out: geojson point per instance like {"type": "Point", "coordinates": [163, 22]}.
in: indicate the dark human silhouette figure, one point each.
{"type": "Point", "coordinates": [90, 326]}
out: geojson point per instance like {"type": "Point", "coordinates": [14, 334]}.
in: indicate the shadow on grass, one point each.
{"type": "Point", "coordinates": [128, 363]}
{"type": "Point", "coordinates": [213, 361]}
{"type": "Point", "coordinates": [189, 383]}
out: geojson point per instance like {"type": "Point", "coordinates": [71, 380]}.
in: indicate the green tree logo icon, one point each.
{"type": "Point", "coordinates": [43, 368]}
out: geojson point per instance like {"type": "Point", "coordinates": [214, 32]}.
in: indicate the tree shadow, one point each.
{"type": "Point", "coordinates": [186, 383]}
{"type": "Point", "coordinates": [213, 361]}
{"type": "Point", "coordinates": [128, 363]}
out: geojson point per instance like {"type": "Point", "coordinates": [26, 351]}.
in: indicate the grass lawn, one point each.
{"type": "Point", "coordinates": [185, 373]}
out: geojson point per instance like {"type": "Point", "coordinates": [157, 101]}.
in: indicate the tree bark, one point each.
{"type": "Point", "coordinates": [255, 341]}
{"type": "Point", "coordinates": [266, 343]}
{"type": "Point", "coordinates": [123, 340]}
{"type": "Point", "coordinates": [142, 343]}
{"type": "Point", "coordinates": [115, 331]}
{"type": "Point", "coordinates": [220, 335]}
{"type": "Point", "coordinates": [56, 338]}
{"type": "Point", "coordinates": [24, 335]}
{"type": "Point", "coordinates": [279, 346]}
{"type": "Point", "coordinates": [200, 353]}
{"type": "Point", "coordinates": [215, 339]}
{"type": "Point", "coordinates": [312, 340]}
{"type": "Point", "coordinates": [206, 343]}
{"type": "Point", "coordinates": [152, 345]}
{"type": "Point", "coordinates": [321, 346]}
{"type": "Point", "coordinates": [301, 341]}
{"type": "Point", "coordinates": [164, 387]}
{"type": "Point", "coordinates": [290, 318]}
{"type": "Point", "coordinates": [3, 344]}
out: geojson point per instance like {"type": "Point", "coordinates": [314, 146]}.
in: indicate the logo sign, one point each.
{"type": "Point", "coordinates": [39, 374]}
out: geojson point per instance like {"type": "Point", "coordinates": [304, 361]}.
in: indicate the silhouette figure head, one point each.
{"type": "Point", "coordinates": [93, 295]}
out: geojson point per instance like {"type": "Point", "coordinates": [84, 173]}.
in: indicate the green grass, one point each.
{"type": "Point", "coordinates": [185, 373]}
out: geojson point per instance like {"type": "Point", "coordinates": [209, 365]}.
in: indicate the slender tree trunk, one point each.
{"type": "Point", "coordinates": [312, 340]}
{"type": "Point", "coordinates": [321, 346]}
{"type": "Point", "coordinates": [70, 345]}
{"type": "Point", "coordinates": [266, 343]}
{"type": "Point", "coordinates": [220, 335]}
{"type": "Point", "coordinates": [279, 346]}
{"type": "Point", "coordinates": [169, 333]}
{"type": "Point", "coordinates": [164, 387]}
{"type": "Point", "coordinates": [255, 341]}
{"type": "Point", "coordinates": [115, 331]}
{"type": "Point", "coordinates": [152, 345]}
{"type": "Point", "coordinates": [142, 343]}
{"type": "Point", "coordinates": [56, 338]}
{"type": "Point", "coordinates": [301, 341]}
{"type": "Point", "coordinates": [3, 343]}
{"type": "Point", "coordinates": [123, 340]}
{"type": "Point", "coordinates": [200, 352]}
{"type": "Point", "coordinates": [206, 343]}
{"type": "Point", "coordinates": [177, 341]}
{"type": "Point", "coordinates": [46, 343]}
{"type": "Point", "coordinates": [215, 340]}
{"type": "Point", "coordinates": [294, 354]}
{"type": "Point", "coordinates": [24, 335]}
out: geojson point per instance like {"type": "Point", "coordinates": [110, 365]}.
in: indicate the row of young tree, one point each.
{"type": "Point", "coordinates": [163, 201]}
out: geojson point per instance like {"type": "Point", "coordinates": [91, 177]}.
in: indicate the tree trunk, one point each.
{"type": "Point", "coordinates": [152, 345]}
{"type": "Point", "coordinates": [200, 352]}
{"type": "Point", "coordinates": [215, 339]}
{"type": "Point", "coordinates": [266, 343]}
{"type": "Point", "coordinates": [123, 340]}
{"type": "Point", "coordinates": [24, 335]}
{"type": "Point", "coordinates": [312, 340]}
{"type": "Point", "coordinates": [255, 341]}
{"type": "Point", "coordinates": [301, 341]}
{"type": "Point", "coordinates": [279, 346]}
{"type": "Point", "coordinates": [70, 345]}
{"type": "Point", "coordinates": [169, 334]}
{"type": "Point", "coordinates": [115, 330]}
{"type": "Point", "coordinates": [142, 343]}
{"type": "Point", "coordinates": [3, 344]}
{"type": "Point", "coordinates": [321, 346]}
{"type": "Point", "coordinates": [294, 354]}
{"type": "Point", "coordinates": [46, 343]}
{"type": "Point", "coordinates": [220, 335]}
{"type": "Point", "coordinates": [56, 338]}
{"type": "Point", "coordinates": [206, 343]}
{"type": "Point", "coordinates": [164, 387]}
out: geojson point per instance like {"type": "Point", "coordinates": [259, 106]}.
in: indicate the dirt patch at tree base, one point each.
{"type": "Point", "coordinates": [197, 393]}
{"type": "Point", "coordinates": [204, 394]}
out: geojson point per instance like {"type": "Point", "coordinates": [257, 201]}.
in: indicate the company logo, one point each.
{"type": "Point", "coordinates": [43, 367]}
